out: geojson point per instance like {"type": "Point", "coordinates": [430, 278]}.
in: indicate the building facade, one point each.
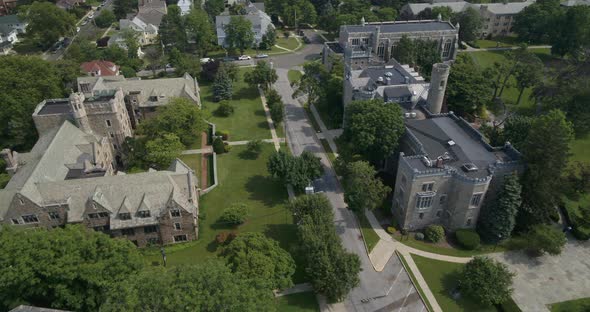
{"type": "Point", "coordinates": [261, 22]}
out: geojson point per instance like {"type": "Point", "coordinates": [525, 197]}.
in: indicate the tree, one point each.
{"type": "Point", "coordinates": [222, 86]}
{"type": "Point", "coordinates": [546, 152]}
{"type": "Point", "coordinates": [254, 147]}
{"type": "Point", "coordinates": [362, 189]}
{"type": "Point", "coordinates": [154, 57]}
{"type": "Point", "coordinates": [130, 37]}
{"type": "Point", "coordinates": [516, 130]}
{"type": "Point", "coordinates": [180, 116]}
{"type": "Point", "coordinates": [331, 270]}
{"type": "Point", "coordinates": [487, 281]}
{"type": "Point", "coordinates": [537, 22]}
{"type": "Point", "coordinates": [214, 8]}
{"type": "Point", "coordinates": [207, 286]}
{"type": "Point", "coordinates": [161, 151]}
{"type": "Point", "coordinates": [36, 80]}
{"type": "Point", "coordinates": [277, 112]}
{"type": "Point", "coordinates": [445, 12]}
{"type": "Point", "coordinates": [239, 34]}
{"type": "Point", "coordinates": [386, 14]}
{"type": "Point", "coordinates": [543, 238]}
{"type": "Point", "coordinates": [528, 73]}
{"type": "Point", "coordinates": [188, 64]}
{"type": "Point", "coordinates": [311, 82]}
{"type": "Point", "coordinates": [105, 19]}
{"type": "Point", "coordinates": [123, 7]}
{"type": "Point", "coordinates": [172, 31]}
{"type": "Point", "coordinates": [235, 214]}
{"type": "Point", "coordinates": [403, 51]}
{"type": "Point", "coordinates": [499, 217]}
{"type": "Point", "coordinates": [297, 171]}
{"type": "Point", "coordinates": [373, 128]}
{"type": "Point", "coordinates": [568, 42]}
{"type": "Point", "coordinates": [262, 74]}
{"type": "Point", "coordinates": [69, 268]}
{"type": "Point", "coordinates": [47, 23]}
{"type": "Point", "coordinates": [253, 254]}
{"type": "Point", "coordinates": [200, 30]}
{"type": "Point", "coordinates": [468, 89]}
{"type": "Point", "coordinates": [269, 39]}
{"type": "Point", "coordinates": [225, 109]}
{"type": "Point", "coordinates": [471, 23]}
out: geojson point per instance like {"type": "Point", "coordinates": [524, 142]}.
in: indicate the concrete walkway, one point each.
{"type": "Point", "coordinates": [281, 140]}
{"type": "Point", "coordinates": [472, 49]}
{"type": "Point", "coordinates": [206, 150]}
{"type": "Point", "coordinates": [325, 132]}
{"type": "Point", "coordinates": [271, 124]}
{"type": "Point", "coordinates": [299, 288]}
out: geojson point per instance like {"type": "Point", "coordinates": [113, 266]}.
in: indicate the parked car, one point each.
{"type": "Point", "coordinates": [205, 60]}
{"type": "Point", "coordinates": [261, 56]}
{"type": "Point", "coordinates": [244, 58]}
{"type": "Point", "coordinates": [66, 42]}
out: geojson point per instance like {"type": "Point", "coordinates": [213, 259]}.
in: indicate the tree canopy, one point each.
{"type": "Point", "coordinates": [470, 22]}
{"type": "Point", "coordinates": [262, 74]}
{"type": "Point", "coordinates": [469, 88]}
{"type": "Point", "coordinates": [297, 171]}
{"type": "Point", "coordinates": [362, 189]}
{"type": "Point", "coordinates": [486, 280]}
{"type": "Point", "coordinates": [543, 238]}
{"type": "Point", "coordinates": [47, 23]}
{"type": "Point", "coordinates": [239, 34]}
{"type": "Point", "coordinates": [498, 218]}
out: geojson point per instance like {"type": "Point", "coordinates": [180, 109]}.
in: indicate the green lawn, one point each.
{"type": "Point", "coordinates": [578, 305]}
{"type": "Point", "coordinates": [328, 150]}
{"type": "Point", "coordinates": [288, 43]}
{"type": "Point", "coordinates": [220, 53]}
{"type": "Point", "coordinates": [448, 251]}
{"type": "Point", "coordinates": [294, 75]}
{"type": "Point", "coordinates": [441, 278]}
{"type": "Point", "coordinates": [497, 42]}
{"type": "Point", "coordinates": [242, 179]}
{"type": "Point", "coordinates": [193, 161]}
{"type": "Point", "coordinates": [301, 302]}
{"type": "Point", "coordinates": [579, 149]}
{"type": "Point", "coordinates": [414, 281]}
{"type": "Point", "coordinates": [248, 122]}
{"type": "Point", "coordinates": [371, 238]}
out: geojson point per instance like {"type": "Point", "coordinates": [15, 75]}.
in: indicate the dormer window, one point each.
{"type": "Point", "coordinates": [175, 213]}
{"type": "Point", "coordinates": [124, 216]}
{"type": "Point", "coordinates": [143, 214]}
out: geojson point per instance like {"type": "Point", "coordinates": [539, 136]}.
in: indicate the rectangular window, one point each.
{"type": "Point", "coordinates": [128, 232]}
{"type": "Point", "coordinates": [356, 41]}
{"type": "Point", "coordinates": [143, 214]}
{"type": "Point", "coordinates": [53, 215]}
{"type": "Point", "coordinates": [428, 187]}
{"type": "Point", "coordinates": [15, 221]}
{"type": "Point", "coordinates": [177, 226]}
{"type": "Point", "coordinates": [180, 238]}
{"type": "Point", "coordinates": [124, 216]}
{"type": "Point", "coordinates": [366, 41]}
{"type": "Point", "coordinates": [175, 213]}
{"type": "Point", "coordinates": [476, 200]}
{"type": "Point", "coordinates": [424, 202]}
{"type": "Point", "coordinates": [150, 229]}
{"type": "Point", "coordinates": [103, 214]}
{"type": "Point", "coordinates": [30, 219]}
{"type": "Point", "coordinates": [108, 123]}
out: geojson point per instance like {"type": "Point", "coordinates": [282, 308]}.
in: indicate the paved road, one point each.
{"type": "Point", "coordinates": [310, 52]}
{"type": "Point", "coordinates": [389, 290]}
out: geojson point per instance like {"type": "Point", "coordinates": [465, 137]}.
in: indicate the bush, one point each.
{"type": "Point", "coordinates": [225, 109]}
{"type": "Point", "coordinates": [419, 236]}
{"type": "Point", "coordinates": [390, 229]}
{"type": "Point", "coordinates": [234, 214]}
{"type": "Point", "coordinates": [468, 239]}
{"type": "Point", "coordinates": [218, 146]}
{"type": "Point", "coordinates": [226, 147]}
{"type": "Point", "coordinates": [225, 238]}
{"type": "Point", "coordinates": [223, 134]}
{"type": "Point", "coordinates": [434, 233]}
{"type": "Point", "coordinates": [486, 281]}
{"type": "Point", "coordinates": [581, 232]}
{"type": "Point", "coordinates": [254, 147]}
{"type": "Point", "coordinates": [543, 238]}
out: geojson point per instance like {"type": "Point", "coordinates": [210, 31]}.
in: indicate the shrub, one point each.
{"type": "Point", "coordinates": [223, 134]}
{"type": "Point", "coordinates": [419, 236]}
{"type": "Point", "coordinates": [486, 280]}
{"type": "Point", "coordinates": [434, 233]}
{"type": "Point", "coordinates": [390, 229]}
{"type": "Point", "coordinates": [544, 238]}
{"type": "Point", "coordinates": [468, 239]}
{"type": "Point", "coordinates": [226, 147]}
{"type": "Point", "coordinates": [581, 232]}
{"type": "Point", "coordinates": [225, 109]}
{"type": "Point", "coordinates": [254, 147]}
{"type": "Point", "coordinates": [218, 146]}
{"type": "Point", "coordinates": [234, 214]}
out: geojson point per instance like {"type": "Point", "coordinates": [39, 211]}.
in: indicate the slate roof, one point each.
{"type": "Point", "coordinates": [460, 6]}
{"type": "Point", "coordinates": [24, 308]}
{"type": "Point", "coordinates": [10, 19]}
{"type": "Point", "coordinates": [405, 26]}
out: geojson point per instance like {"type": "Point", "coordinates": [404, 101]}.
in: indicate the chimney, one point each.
{"type": "Point", "coordinates": [11, 160]}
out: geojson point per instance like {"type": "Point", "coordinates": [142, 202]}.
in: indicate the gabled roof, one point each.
{"type": "Point", "coordinates": [106, 68]}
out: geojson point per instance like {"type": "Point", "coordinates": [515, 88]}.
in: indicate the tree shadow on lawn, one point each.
{"type": "Point", "coordinates": [247, 155]}
{"type": "Point", "coordinates": [286, 235]}
{"type": "Point", "coordinates": [259, 112]}
{"type": "Point", "coordinates": [267, 190]}
{"type": "Point", "coordinates": [246, 93]}
{"type": "Point", "coordinates": [263, 125]}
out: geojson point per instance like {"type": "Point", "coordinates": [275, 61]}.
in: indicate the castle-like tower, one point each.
{"type": "Point", "coordinates": [79, 111]}
{"type": "Point", "coordinates": [438, 85]}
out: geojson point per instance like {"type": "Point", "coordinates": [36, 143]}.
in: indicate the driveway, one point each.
{"type": "Point", "coordinates": [389, 290]}
{"type": "Point", "coordinates": [549, 279]}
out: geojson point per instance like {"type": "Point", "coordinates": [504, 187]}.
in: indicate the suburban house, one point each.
{"type": "Point", "coordinates": [10, 28]}
{"type": "Point", "coordinates": [7, 7]}
{"type": "Point", "coordinates": [185, 6]}
{"type": "Point", "coordinates": [146, 23]}
{"type": "Point", "coordinates": [100, 68]}
{"type": "Point", "coordinates": [142, 97]}
{"type": "Point", "coordinates": [254, 13]}
{"type": "Point", "coordinates": [497, 17]}
{"type": "Point", "coordinates": [68, 4]}
{"type": "Point", "coordinates": [373, 43]}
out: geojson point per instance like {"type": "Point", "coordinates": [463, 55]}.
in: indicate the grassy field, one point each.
{"type": "Point", "coordinates": [294, 75]}
{"type": "Point", "coordinates": [248, 122]}
{"type": "Point", "coordinates": [242, 179]}
{"type": "Point", "coordinates": [288, 43]}
{"type": "Point", "coordinates": [301, 302]}
{"type": "Point", "coordinates": [578, 305]}
{"type": "Point", "coordinates": [448, 251]}
{"type": "Point", "coordinates": [193, 161]}
{"type": "Point", "coordinates": [497, 42]}
{"type": "Point", "coordinates": [579, 149]}
{"type": "Point", "coordinates": [371, 238]}
{"type": "Point", "coordinates": [441, 278]}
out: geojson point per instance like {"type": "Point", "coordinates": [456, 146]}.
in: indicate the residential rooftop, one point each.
{"type": "Point", "coordinates": [400, 26]}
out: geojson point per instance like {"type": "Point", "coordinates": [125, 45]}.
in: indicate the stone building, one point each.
{"type": "Point", "coordinates": [373, 43]}
{"type": "Point", "coordinates": [68, 178]}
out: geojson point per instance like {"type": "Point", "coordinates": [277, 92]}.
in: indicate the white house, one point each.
{"type": "Point", "coordinates": [254, 13]}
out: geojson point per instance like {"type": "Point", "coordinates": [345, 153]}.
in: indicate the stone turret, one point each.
{"type": "Point", "coordinates": [79, 111]}
{"type": "Point", "coordinates": [11, 160]}
{"type": "Point", "coordinates": [438, 85]}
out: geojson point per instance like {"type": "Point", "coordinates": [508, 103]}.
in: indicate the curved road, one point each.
{"type": "Point", "coordinates": [388, 290]}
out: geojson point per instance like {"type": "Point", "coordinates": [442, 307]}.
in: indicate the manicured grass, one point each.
{"type": "Point", "coordinates": [294, 75]}
{"type": "Point", "coordinates": [301, 302]}
{"type": "Point", "coordinates": [194, 162]}
{"type": "Point", "coordinates": [332, 119]}
{"type": "Point", "coordinates": [493, 43]}
{"type": "Point", "coordinates": [414, 281]}
{"type": "Point", "coordinates": [371, 238]}
{"type": "Point", "coordinates": [448, 251]}
{"type": "Point", "coordinates": [442, 278]}
{"type": "Point", "coordinates": [328, 150]}
{"type": "Point", "coordinates": [288, 43]}
{"type": "Point", "coordinates": [577, 305]}
{"type": "Point", "coordinates": [579, 149]}
{"type": "Point", "coordinates": [242, 179]}
{"type": "Point", "coordinates": [248, 122]}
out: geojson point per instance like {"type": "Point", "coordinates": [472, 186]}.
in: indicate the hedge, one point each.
{"type": "Point", "coordinates": [434, 233]}
{"type": "Point", "coordinates": [468, 239]}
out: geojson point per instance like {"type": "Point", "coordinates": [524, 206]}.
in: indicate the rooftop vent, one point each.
{"type": "Point", "coordinates": [451, 143]}
{"type": "Point", "coordinates": [388, 74]}
{"type": "Point", "coordinates": [469, 167]}
{"type": "Point", "coordinates": [380, 79]}
{"type": "Point", "coordinates": [427, 161]}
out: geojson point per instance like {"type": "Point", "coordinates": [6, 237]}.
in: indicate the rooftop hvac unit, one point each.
{"type": "Point", "coordinates": [469, 167]}
{"type": "Point", "coordinates": [388, 74]}
{"type": "Point", "coordinates": [451, 143]}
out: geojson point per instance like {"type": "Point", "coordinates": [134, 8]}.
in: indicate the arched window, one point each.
{"type": "Point", "coordinates": [447, 48]}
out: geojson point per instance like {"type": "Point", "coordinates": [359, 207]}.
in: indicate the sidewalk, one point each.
{"type": "Point", "coordinates": [299, 288]}
{"type": "Point", "coordinates": [327, 134]}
